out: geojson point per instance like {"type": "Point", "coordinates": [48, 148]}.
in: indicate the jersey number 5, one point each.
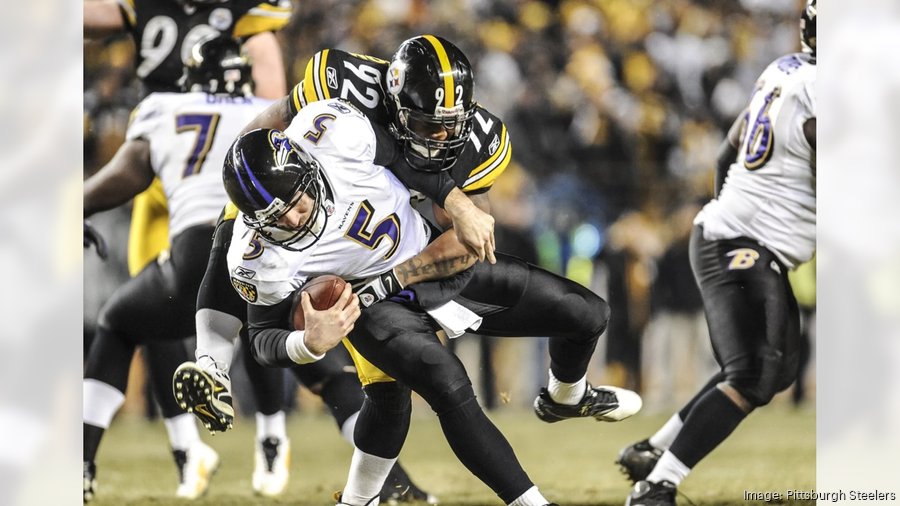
{"type": "Point", "coordinates": [388, 228]}
{"type": "Point", "coordinates": [205, 125]}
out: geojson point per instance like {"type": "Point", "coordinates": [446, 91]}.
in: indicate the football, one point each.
{"type": "Point", "coordinates": [323, 291]}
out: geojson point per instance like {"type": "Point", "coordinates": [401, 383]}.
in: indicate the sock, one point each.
{"type": "Point", "coordinates": [348, 427]}
{"type": "Point", "coordinates": [182, 431]}
{"type": "Point", "coordinates": [100, 402]}
{"type": "Point", "coordinates": [531, 497]}
{"type": "Point", "coordinates": [217, 333]}
{"type": "Point", "coordinates": [669, 468]}
{"type": "Point", "coordinates": [270, 426]}
{"type": "Point", "coordinates": [713, 419]}
{"type": "Point", "coordinates": [367, 475]}
{"type": "Point", "coordinates": [715, 380]}
{"type": "Point", "coordinates": [566, 393]}
{"type": "Point", "coordinates": [667, 433]}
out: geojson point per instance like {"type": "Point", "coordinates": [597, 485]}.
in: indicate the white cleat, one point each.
{"type": "Point", "coordinates": [272, 470]}
{"type": "Point", "coordinates": [196, 467]}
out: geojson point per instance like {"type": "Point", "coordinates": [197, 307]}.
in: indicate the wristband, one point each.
{"type": "Point", "coordinates": [297, 351]}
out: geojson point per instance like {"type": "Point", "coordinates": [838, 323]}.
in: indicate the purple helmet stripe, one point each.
{"type": "Point", "coordinates": [256, 184]}
{"type": "Point", "coordinates": [237, 172]}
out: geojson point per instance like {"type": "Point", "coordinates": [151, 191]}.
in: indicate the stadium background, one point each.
{"type": "Point", "coordinates": [616, 109]}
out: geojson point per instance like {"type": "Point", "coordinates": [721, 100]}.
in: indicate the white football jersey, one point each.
{"type": "Point", "coordinates": [189, 135]}
{"type": "Point", "coordinates": [770, 191]}
{"type": "Point", "coordinates": [370, 228]}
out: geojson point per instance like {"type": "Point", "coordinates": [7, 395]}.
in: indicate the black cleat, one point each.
{"type": "Point", "coordinates": [648, 493]}
{"type": "Point", "coordinates": [399, 488]}
{"type": "Point", "coordinates": [338, 500]}
{"type": "Point", "coordinates": [90, 481]}
{"type": "Point", "coordinates": [637, 460]}
{"type": "Point", "coordinates": [605, 403]}
{"type": "Point", "coordinates": [205, 394]}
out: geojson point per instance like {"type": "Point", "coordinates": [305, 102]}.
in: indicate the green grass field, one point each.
{"type": "Point", "coordinates": [774, 450]}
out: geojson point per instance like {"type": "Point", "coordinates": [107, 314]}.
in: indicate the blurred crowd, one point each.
{"type": "Point", "coordinates": [616, 109]}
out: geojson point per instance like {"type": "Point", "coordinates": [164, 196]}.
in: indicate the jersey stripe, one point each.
{"type": "Point", "coordinates": [262, 18]}
{"type": "Point", "coordinates": [485, 174]}
{"type": "Point", "coordinates": [297, 97]}
{"type": "Point", "coordinates": [446, 71]}
{"type": "Point", "coordinates": [313, 77]}
{"type": "Point", "coordinates": [323, 64]}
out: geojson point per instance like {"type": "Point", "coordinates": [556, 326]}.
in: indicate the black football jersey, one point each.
{"type": "Point", "coordinates": [164, 31]}
{"type": "Point", "coordinates": [332, 73]}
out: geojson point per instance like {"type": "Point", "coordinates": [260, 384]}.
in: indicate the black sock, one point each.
{"type": "Point", "coordinates": [383, 421]}
{"type": "Point", "coordinates": [92, 437]}
{"type": "Point", "coordinates": [481, 447]}
{"type": "Point", "coordinates": [715, 380]}
{"type": "Point", "coordinates": [713, 418]}
{"type": "Point", "coordinates": [163, 357]}
{"type": "Point", "coordinates": [343, 396]}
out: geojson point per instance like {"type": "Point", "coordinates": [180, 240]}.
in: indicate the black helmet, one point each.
{"type": "Point", "coordinates": [217, 64]}
{"type": "Point", "coordinates": [808, 27]}
{"type": "Point", "coordinates": [430, 86]}
{"type": "Point", "coordinates": [265, 175]}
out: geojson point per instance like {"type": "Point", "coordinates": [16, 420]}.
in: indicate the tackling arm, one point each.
{"type": "Point", "coordinates": [277, 116]}
{"type": "Point", "coordinates": [126, 175]}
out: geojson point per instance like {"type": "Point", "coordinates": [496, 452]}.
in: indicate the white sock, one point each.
{"type": "Point", "coordinates": [367, 476]}
{"type": "Point", "coordinates": [182, 431]}
{"type": "Point", "coordinates": [531, 497]}
{"type": "Point", "coordinates": [566, 393]}
{"type": "Point", "coordinates": [349, 426]}
{"type": "Point", "coordinates": [100, 402]}
{"type": "Point", "coordinates": [270, 426]}
{"type": "Point", "coordinates": [217, 333]}
{"type": "Point", "coordinates": [669, 468]}
{"type": "Point", "coordinates": [667, 433]}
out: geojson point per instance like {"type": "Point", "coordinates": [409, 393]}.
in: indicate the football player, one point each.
{"type": "Point", "coordinates": [164, 33]}
{"type": "Point", "coordinates": [177, 138]}
{"type": "Point", "coordinates": [761, 224]}
{"type": "Point", "coordinates": [441, 147]}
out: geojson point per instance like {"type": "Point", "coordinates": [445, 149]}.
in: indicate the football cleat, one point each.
{"type": "Point", "coordinates": [195, 468]}
{"type": "Point", "coordinates": [637, 460]}
{"type": "Point", "coordinates": [648, 493]}
{"type": "Point", "coordinates": [605, 403]}
{"type": "Point", "coordinates": [206, 394]}
{"type": "Point", "coordinates": [272, 470]}
{"type": "Point", "coordinates": [90, 481]}
{"type": "Point", "coordinates": [399, 488]}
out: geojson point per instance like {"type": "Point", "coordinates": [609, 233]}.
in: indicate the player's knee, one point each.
{"type": "Point", "coordinates": [756, 387]}
{"type": "Point", "coordinates": [588, 313]}
{"type": "Point", "coordinates": [453, 398]}
{"type": "Point", "coordinates": [389, 396]}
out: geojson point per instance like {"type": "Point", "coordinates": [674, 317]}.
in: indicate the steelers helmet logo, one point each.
{"type": "Point", "coordinates": [396, 77]}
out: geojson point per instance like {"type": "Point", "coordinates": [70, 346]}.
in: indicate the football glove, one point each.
{"type": "Point", "coordinates": [377, 288]}
{"type": "Point", "coordinates": [91, 236]}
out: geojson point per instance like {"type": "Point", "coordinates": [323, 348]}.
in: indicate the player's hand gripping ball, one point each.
{"type": "Point", "coordinates": [323, 292]}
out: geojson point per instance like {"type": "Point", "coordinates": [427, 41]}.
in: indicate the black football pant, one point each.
{"type": "Point", "coordinates": [156, 309]}
{"type": "Point", "coordinates": [515, 299]}
{"type": "Point", "coordinates": [753, 316]}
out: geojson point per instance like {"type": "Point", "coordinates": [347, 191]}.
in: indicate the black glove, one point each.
{"type": "Point", "coordinates": [91, 236]}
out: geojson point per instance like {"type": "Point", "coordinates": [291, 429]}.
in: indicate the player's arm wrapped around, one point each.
{"type": "Point", "coordinates": [434, 276]}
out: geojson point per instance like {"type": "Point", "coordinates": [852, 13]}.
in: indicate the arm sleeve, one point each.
{"type": "Point", "coordinates": [268, 333]}
{"type": "Point", "coordinates": [435, 186]}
